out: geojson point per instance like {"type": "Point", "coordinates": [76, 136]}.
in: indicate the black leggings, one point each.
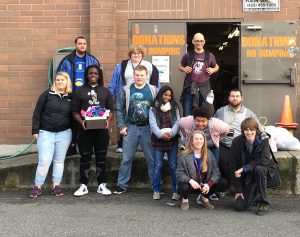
{"type": "Point", "coordinates": [185, 188]}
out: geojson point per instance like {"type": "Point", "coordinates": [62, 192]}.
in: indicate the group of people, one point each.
{"type": "Point", "coordinates": [227, 148]}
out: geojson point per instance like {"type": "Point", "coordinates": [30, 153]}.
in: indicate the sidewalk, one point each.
{"type": "Point", "coordinates": [136, 214]}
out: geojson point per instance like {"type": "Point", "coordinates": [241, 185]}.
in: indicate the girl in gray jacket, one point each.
{"type": "Point", "coordinates": [197, 172]}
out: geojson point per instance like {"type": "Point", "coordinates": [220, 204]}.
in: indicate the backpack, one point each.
{"type": "Point", "coordinates": [190, 62]}
{"type": "Point", "coordinates": [191, 56]}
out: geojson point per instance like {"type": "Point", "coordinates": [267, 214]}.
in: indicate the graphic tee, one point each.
{"type": "Point", "coordinates": [199, 66]}
{"type": "Point", "coordinates": [139, 104]}
{"type": "Point", "coordinates": [199, 74]}
{"type": "Point", "coordinates": [80, 66]}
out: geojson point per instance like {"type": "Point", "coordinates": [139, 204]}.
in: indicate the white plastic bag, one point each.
{"type": "Point", "coordinates": [285, 141]}
{"type": "Point", "coordinates": [271, 130]}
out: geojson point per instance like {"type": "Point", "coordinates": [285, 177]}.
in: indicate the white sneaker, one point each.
{"type": "Point", "coordinates": [102, 189]}
{"type": "Point", "coordinates": [175, 197]}
{"type": "Point", "coordinates": [198, 200]}
{"type": "Point", "coordinates": [81, 191]}
{"type": "Point", "coordinates": [119, 150]}
{"type": "Point", "coordinates": [214, 197]}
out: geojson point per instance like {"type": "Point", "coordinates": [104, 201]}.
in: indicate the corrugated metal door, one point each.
{"type": "Point", "coordinates": [268, 67]}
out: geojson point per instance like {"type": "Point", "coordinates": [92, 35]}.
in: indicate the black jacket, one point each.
{"type": "Point", "coordinates": [53, 112]}
{"type": "Point", "coordinates": [154, 78]}
{"type": "Point", "coordinates": [260, 156]}
{"type": "Point", "coordinates": [83, 99]}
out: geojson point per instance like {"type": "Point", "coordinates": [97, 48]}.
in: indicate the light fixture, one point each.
{"type": "Point", "coordinates": [224, 44]}
{"type": "Point", "coordinates": [234, 33]}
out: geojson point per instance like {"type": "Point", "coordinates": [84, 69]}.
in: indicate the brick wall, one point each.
{"type": "Point", "coordinates": [32, 30]}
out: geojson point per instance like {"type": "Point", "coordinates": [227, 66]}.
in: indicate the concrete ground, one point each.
{"type": "Point", "coordinates": [136, 214]}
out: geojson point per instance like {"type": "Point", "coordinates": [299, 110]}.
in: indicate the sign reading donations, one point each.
{"type": "Point", "coordinates": [160, 44]}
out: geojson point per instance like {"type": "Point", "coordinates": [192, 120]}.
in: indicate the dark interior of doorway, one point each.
{"type": "Point", "coordinates": [216, 35]}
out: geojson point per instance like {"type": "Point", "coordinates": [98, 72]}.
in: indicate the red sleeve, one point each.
{"type": "Point", "coordinates": [210, 183]}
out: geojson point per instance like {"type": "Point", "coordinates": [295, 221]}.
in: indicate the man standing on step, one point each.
{"type": "Point", "coordinates": [132, 111]}
{"type": "Point", "coordinates": [74, 64]}
{"type": "Point", "coordinates": [198, 65]}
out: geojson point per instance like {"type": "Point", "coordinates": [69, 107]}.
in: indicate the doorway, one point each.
{"type": "Point", "coordinates": [222, 40]}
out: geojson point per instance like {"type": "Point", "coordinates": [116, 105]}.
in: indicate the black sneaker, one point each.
{"type": "Point", "coordinates": [262, 210]}
{"type": "Point", "coordinates": [119, 190]}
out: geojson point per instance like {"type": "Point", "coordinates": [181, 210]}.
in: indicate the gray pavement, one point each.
{"type": "Point", "coordinates": [136, 214]}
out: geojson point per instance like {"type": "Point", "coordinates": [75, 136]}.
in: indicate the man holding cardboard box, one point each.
{"type": "Point", "coordinates": [92, 108]}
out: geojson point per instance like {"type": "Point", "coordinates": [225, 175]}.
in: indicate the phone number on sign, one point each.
{"type": "Point", "coordinates": [261, 5]}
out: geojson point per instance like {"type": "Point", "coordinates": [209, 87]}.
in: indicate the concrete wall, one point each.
{"type": "Point", "coordinates": [20, 172]}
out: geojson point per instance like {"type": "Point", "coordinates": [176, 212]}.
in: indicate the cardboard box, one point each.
{"type": "Point", "coordinates": [95, 123]}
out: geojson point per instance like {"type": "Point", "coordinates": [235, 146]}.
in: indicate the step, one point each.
{"type": "Point", "coordinates": [20, 172]}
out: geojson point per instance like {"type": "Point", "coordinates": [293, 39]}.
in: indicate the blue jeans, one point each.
{"type": "Point", "coordinates": [158, 163]}
{"type": "Point", "coordinates": [52, 146]}
{"type": "Point", "coordinates": [188, 102]}
{"type": "Point", "coordinates": [135, 135]}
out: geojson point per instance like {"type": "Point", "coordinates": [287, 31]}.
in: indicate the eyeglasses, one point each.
{"type": "Point", "coordinates": [199, 41]}
{"type": "Point", "coordinates": [136, 53]}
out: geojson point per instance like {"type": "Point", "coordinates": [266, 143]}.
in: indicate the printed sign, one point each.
{"type": "Point", "coordinates": [160, 44]}
{"type": "Point", "coordinates": [163, 65]}
{"type": "Point", "coordinates": [261, 5]}
{"type": "Point", "coordinates": [269, 46]}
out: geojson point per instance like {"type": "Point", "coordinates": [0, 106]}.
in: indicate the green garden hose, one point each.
{"type": "Point", "coordinates": [50, 68]}
{"type": "Point", "coordinates": [17, 153]}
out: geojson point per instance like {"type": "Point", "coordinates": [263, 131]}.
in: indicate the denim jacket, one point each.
{"type": "Point", "coordinates": [116, 83]}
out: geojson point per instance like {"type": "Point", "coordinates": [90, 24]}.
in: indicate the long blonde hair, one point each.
{"type": "Point", "coordinates": [69, 83]}
{"type": "Point", "coordinates": [190, 149]}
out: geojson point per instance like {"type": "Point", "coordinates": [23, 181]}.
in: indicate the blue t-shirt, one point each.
{"type": "Point", "coordinates": [79, 72]}
{"type": "Point", "coordinates": [139, 104]}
